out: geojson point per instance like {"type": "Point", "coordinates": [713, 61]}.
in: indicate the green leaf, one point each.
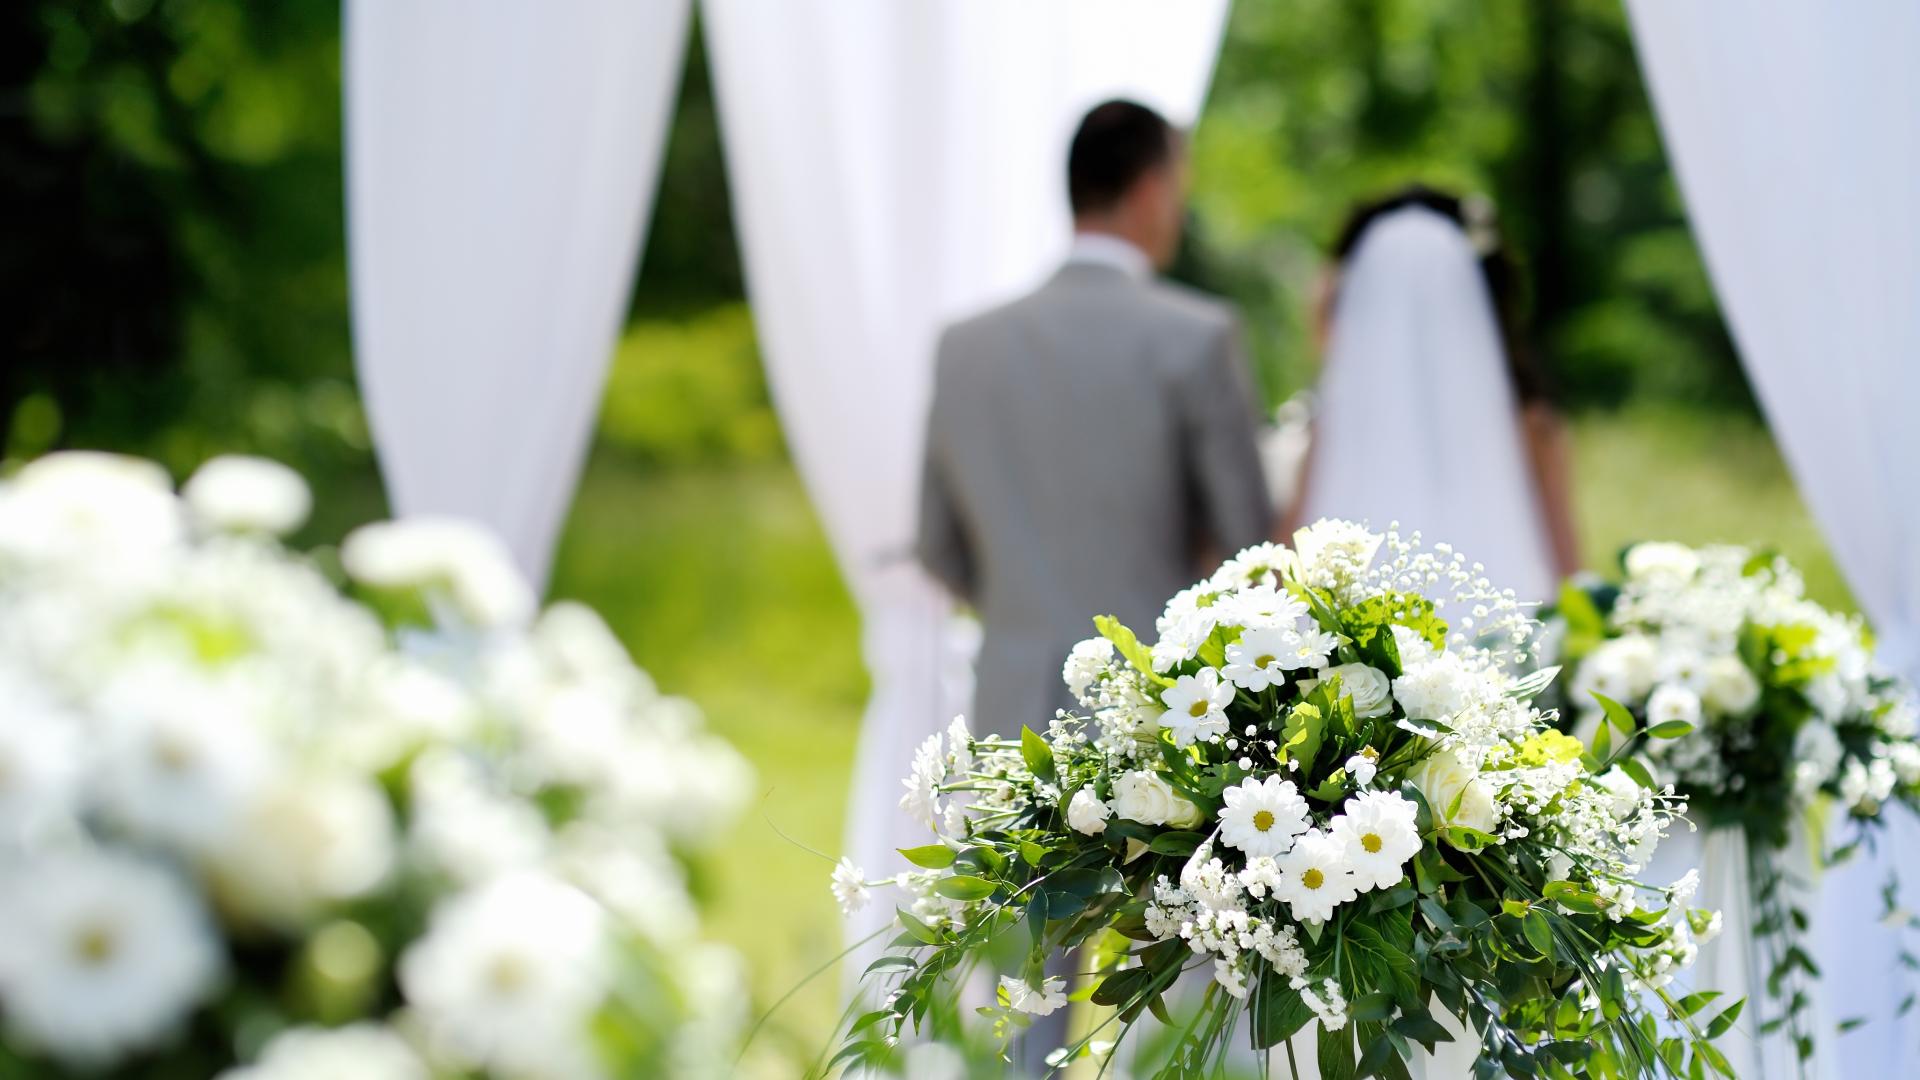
{"type": "Point", "coordinates": [964, 888]}
{"type": "Point", "coordinates": [1616, 713]}
{"type": "Point", "coordinates": [1600, 747]}
{"type": "Point", "coordinates": [1539, 932]}
{"type": "Point", "coordinates": [1526, 689]}
{"type": "Point", "coordinates": [1128, 645]}
{"type": "Point", "coordinates": [1037, 754]}
{"type": "Point", "coordinates": [1463, 838]}
{"type": "Point", "coordinates": [932, 857]}
{"type": "Point", "coordinates": [1037, 918]}
{"type": "Point", "coordinates": [1337, 1055]}
{"type": "Point", "coordinates": [1175, 843]}
{"type": "Point", "coordinates": [1725, 1021]}
{"type": "Point", "coordinates": [1278, 1012]}
{"type": "Point", "coordinates": [916, 929]}
{"type": "Point", "coordinates": [1371, 1007]}
{"type": "Point", "coordinates": [1633, 768]}
{"type": "Point", "coordinates": [1672, 729]}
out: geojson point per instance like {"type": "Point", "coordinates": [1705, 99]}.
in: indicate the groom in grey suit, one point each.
{"type": "Point", "coordinates": [1092, 443]}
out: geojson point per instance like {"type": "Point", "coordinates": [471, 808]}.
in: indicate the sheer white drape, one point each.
{"type": "Point", "coordinates": [1795, 130]}
{"type": "Point", "coordinates": [895, 165]}
{"type": "Point", "coordinates": [501, 160]}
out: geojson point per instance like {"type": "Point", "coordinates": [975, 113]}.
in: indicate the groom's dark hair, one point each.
{"type": "Point", "coordinates": [1116, 143]}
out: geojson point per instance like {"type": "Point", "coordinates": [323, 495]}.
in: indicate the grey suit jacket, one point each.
{"type": "Point", "coordinates": [1086, 443]}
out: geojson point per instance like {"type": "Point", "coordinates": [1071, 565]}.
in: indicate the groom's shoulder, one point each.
{"type": "Point", "coordinates": [1203, 311]}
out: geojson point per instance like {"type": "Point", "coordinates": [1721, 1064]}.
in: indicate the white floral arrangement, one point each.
{"type": "Point", "coordinates": [251, 828]}
{"type": "Point", "coordinates": [1787, 711]}
{"type": "Point", "coordinates": [1324, 785]}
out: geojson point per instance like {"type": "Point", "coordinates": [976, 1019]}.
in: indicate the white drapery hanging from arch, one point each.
{"type": "Point", "coordinates": [501, 163]}
{"type": "Point", "coordinates": [895, 165]}
{"type": "Point", "coordinates": [1795, 130]}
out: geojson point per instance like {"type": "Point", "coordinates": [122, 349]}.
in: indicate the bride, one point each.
{"type": "Point", "coordinates": [1430, 414]}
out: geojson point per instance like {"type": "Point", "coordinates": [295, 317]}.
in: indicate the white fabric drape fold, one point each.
{"type": "Point", "coordinates": [501, 162]}
{"type": "Point", "coordinates": [894, 166]}
{"type": "Point", "coordinates": [1795, 130]}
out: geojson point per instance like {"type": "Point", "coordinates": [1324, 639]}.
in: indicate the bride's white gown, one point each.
{"type": "Point", "coordinates": [1418, 421]}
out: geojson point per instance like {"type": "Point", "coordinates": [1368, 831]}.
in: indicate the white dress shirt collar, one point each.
{"type": "Point", "coordinates": [1106, 249]}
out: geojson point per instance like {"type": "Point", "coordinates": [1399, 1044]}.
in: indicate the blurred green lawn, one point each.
{"type": "Point", "coordinates": [719, 579]}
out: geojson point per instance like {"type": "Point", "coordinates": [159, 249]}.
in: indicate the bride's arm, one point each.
{"type": "Point", "coordinates": [1551, 463]}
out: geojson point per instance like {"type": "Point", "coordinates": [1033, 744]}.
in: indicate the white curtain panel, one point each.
{"type": "Point", "coordinates": [893, 166]}
{"type": "Point", "coordinates": [1795, 129]}
{"type": "Point", "coordinates": [501, 162]}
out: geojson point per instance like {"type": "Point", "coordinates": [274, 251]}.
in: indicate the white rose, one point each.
{"type": "Point", "coordinates": [1370, 689]}
{"type": "Point", "coordinates": [1143, 797]}
{"type": "Point", "coordinates": [1728, 687]}
{"type": "Point", "coordinates": [1087, 813]}
{"type": "Point", "coordinates": [1184, 814]}
{"type": "Point", "coordinates": [1444, 777]}
{"type": "Point", "coordinates": [1662, 559]}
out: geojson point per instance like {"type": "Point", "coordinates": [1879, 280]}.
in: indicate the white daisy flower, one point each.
{"type": "Point", "coordinates": [1261, 817]}
{"type": "Point", "coordinates": [1196, 707]}
{"type": "Point", "coordinates": [101, 955]}
{"type": "Point", "coordinates": [1378, 832]}
{"type": "Point", "coordinates": [1310, 647]}
{"type": "Point", "coordinates": [1042, 1002]}
{"type": "Point", "coordinates": [1180, 640]}
{"type": "Point", "coordinates": [1257, 660]}
{"type": "Point", "coordinates": [1315, 877]}
{"type": "Point", "coordinates": [1264, 607]}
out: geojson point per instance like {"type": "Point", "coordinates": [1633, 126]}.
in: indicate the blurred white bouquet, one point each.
{"type": "Point", "coordinates": [245, 819]}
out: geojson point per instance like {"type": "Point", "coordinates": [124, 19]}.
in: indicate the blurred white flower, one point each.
{"type": "Point", "coordinates": [179, 757]}
{"type": "Point", "coordinates": [305, 842]}
{"type": "Point", "coordinates": [362, 1051]}
{"type": "Point", "coordinates": [459, 560]}
{"type": "Point", "coordinates": [1670, 703]}
{"type": "Point", "coordinates": [632, 874]}
{"type": "Point", "coordinates": [101, 954]}
{"type": "Point", "coordinates": [1022, 997]}
{"type": "Point", "coordinates": [91, 508]}
{"type": "Point", "coordinates": [235, 493]}
{"type": "Point", "coordinates": [850, 886]}
{"type": "Point", "coordinates": [510, 974]}
{"type": "Point", "coordinates": [1728, 687]}
{"type": "Point", "coordinates": [1663, 560]}
{"type": "Point", "coordinates": [465, 830]}
{"type": "Point", "coordinates": [39, 762]}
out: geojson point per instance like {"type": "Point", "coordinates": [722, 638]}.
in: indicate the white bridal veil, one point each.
{"type": "Point", "coordinates": [1418, 419]}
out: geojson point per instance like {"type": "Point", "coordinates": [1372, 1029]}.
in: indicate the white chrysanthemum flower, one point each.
{"type": "Point", "coordinates": [1261, 817]}
{"type": "Point", "coordinates": [468, 565]}
{"type": "Point", "coordinates": [1311, 647]}
{"type": "Point", "coordinates": [850, 886]}
{"type": "Point", "coordinates": [1262, 564]}
{"type": "Point", "coordinates": [1362, 766]}
{"type": "Point", "coordinates": [304, 843]}
{"type": "Point", "coordinates": [1085, 663]}
{"type": "Point", "coordinates": [1434, 688]}
{"type": "Point", "coordinates": [1377, 829]}
{"type": "Point", "coordinates": [363, 1051]}
{"type": "Point", "coordinates": [1196, 707]}
{"type": "Point", "coordinates": [235, 493]}
{"type": "Point", "coordinates": [40, 758]}
{"type": "Point", "coordinates": [465, 830]}
{"type": "Point", "coordinates": [1259, 659]}
{"type": "Point", "coordinates": [1087, 813]}
{"type": "Point", "coordinates": [509, 975]}
{"type": "Point", "coordinates": [1022, 997]}
{"type": "Point", "coordinates": [922, 800]}
{"type": "Point", "coordinates": [87, 506]}
{"type": "Point", "coordinates": [179, 757]}
{"type": "Point", "coordinates": [1314, 877]}
{"type": "Point", "coordinates": [101, 955]}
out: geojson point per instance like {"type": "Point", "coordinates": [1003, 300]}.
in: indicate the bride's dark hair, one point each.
{"type": "Point", "coordinates": [1477, 218]}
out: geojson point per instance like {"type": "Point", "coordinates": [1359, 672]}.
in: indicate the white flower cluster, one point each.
{"type": "Point", "coordinates": [199, 735]}
{"type": "Point", "coordinates": [1675, 654]}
